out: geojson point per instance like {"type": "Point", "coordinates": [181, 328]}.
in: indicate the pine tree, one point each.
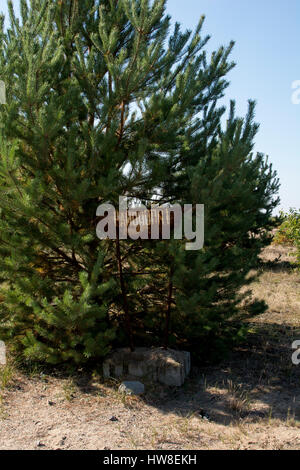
{"type": "Point", "coordinates": [104, 100]}
{"type": "Point", "coordinates": [237, 226]}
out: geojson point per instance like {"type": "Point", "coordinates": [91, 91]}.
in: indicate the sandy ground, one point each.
{"type": "Point", "coordinates": [249, 401]}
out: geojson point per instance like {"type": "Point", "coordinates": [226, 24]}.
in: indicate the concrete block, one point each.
{"type": "Point", "coordinates": [166, 366]}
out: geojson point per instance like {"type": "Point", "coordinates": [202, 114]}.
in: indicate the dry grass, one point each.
{"type": "Point", "coordinates": [279, 286]}
{"type": "Point", "coordinates": [7, 374]}
{"type": "Point", "coordinates": [249, 401]}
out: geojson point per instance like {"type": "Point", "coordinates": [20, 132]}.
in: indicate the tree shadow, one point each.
{"type": "Point", "coordinates": [278, 266]}
{"type": "Point", "coordinates": [257, 381]}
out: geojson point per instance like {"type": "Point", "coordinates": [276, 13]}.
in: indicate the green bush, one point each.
{"type": "Point", "coordinates": [289, 231]}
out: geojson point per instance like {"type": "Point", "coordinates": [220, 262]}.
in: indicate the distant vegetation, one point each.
{"type": "Point", "coordinates": [289, 231]}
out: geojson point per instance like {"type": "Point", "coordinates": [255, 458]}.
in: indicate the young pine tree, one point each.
{"type": "Point", "coordinates": [105, 100]}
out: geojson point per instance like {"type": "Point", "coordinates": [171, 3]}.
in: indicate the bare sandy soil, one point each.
{"type": "Point", "coordinates": [249, 401]}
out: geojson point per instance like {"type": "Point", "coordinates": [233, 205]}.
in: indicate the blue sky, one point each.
{"type": "Point", "coordinates": [267, 53]}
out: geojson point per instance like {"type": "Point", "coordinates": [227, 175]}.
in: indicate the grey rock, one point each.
{"type": "Point", "coordinates": [40, 444]}
{"type": "Point", "coordinates": [62, 442]}
{"type": "Point", "coordinates": [132, 388]}
{"type": "Point", "coordinates": [113, 419]}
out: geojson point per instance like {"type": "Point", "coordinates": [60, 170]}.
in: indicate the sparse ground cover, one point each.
{"type": "Point", "coordinates": [249, 401]}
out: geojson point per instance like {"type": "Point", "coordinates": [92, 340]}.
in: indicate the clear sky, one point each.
{"type": "Point", "coordinates": [267, 53]}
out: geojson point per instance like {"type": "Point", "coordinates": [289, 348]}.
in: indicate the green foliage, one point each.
{"type": "Point", "coordinates": [289, 231]}
{"type": "Point", "coordinates": [105, 100]}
